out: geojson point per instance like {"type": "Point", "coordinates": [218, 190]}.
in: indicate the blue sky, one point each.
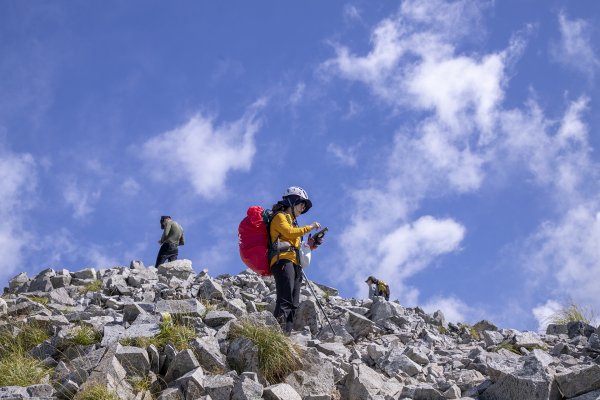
{"type": "Point", "coordinates": [448, 146]}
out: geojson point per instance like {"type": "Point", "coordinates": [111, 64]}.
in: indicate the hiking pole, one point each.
{"type": "Point", "coordinates": [318, 302]}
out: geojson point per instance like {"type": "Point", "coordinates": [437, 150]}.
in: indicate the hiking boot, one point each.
{"type": "Point", "coordinates": [288, 328]}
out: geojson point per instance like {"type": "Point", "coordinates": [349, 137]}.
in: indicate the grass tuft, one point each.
{"type": "Point", "coordinates": [572, 313]}
{"type": "Point", "coordinates": [19, 369]}
{"type": "Point", "coordinates": [178, 334]}
{"type": "Point", "coordinates": [278, 356]}
{"type": "Point", "coordinates": [140, 384]}
{"type": "Point", "coordinates": [85, 335]}
{"type": "Point", "coordinates": [29, 336]}
{"type": "Point", "coordinates": [96, 392]}
{"type": "Point", "coordinates": [38, 299]}
{"type": "Point", "coordinates": [94, 286]}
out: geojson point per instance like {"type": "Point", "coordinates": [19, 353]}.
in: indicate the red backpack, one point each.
{"type": "Point", "coordinates": [254, 240]}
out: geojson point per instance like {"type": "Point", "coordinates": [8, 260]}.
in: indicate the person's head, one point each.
{"type": "Point", "coordinates": [295, 201]}
{"type": "Point", "coordinates": [163, 220]}
{"type": "Point", "coordinates": [371, 280]}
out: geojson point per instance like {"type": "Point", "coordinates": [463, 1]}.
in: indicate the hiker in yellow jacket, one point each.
{"type": "Point", "coordinates": [285, 264]}
{"type": "Point", "coordinates": [377, 287]}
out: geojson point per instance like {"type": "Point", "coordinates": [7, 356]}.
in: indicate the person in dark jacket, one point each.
{"type": "Point", "coordinates": [170, 240]}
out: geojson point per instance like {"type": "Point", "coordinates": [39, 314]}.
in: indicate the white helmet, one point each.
{"type": "Point", "coordinates": [298, 194]}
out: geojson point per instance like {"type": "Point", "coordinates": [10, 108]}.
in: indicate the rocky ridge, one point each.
{"type": "Point", "coordinates": [380, 350]}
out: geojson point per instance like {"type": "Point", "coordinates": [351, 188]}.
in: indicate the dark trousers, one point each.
{"type": "Point", "coordinates": [288, 279]}
{"type": "Point", "coordinates": [167, 252]}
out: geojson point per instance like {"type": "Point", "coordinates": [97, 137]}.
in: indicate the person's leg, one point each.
{"type": "Point", "coordinates": [162, 255]}
{"type": "Point", "coordinates": [283, 272]}
{"type": "Point", "coordinates": [295, 294]}
{"type": "Point", "coordinates": [173, 252]}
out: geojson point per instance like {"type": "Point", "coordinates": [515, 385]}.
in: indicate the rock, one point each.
{"type": "Point", "coordinates": [421, 392]}
{"type": "Point", "coordinates": [281, 391]}
{"type": "Point", "coordinates": [492, 338]}
{"type": "Point", "coordinates": [209, 289]}
{"type": "Point", "coordinates": [247, 388]}
{"type": "Point", "coordinates": [484, 325]}
{"type": "Point", "coordinates": [180, 269]}
{"type": "Point", "coordinates": [134, 359]}
{"type": "Point", "coordinates": [184, 362]}
{"type": "Point", "coordinates": [206, 349]}
{"type": "Point", "coordinates": [527, 339]}
{"type": "Point", "coordinates": [136, 264]}
{"type": "Point", "coordinates": [557, 329]}
{"type": "Point", "coordinates": [309, 315]}
{"type": "Point", "coordinates": [362, 383]}
{"type": "Point", "coordinates": [453, 392]}
{"type": "Point", "coordinates": [337, 350]}
{"type": "Point", "coordinates": [579, 328]}
{"type": "Point", "coordinates": [359, 326]}
{"type": "Point", "coordinates": [18, 282]}
{"type": "Point", "coordinates": [243, 355]}
{"type": "Point", "coordinates": [315, 379]}
{"type": "Point", "coordinates": [417, 355]}
{"type": "Point", "coordinates": [236, 306]}
{"type": "Point", "coordinates": [189, 307]}
{"type": "Point", "coordinates": [192, 383]}
{"type": "Point", "coordinates": [396, 360]}
{"type": "Point", "coordinates": [42, 282]}
{"type": "Point", "coordinates": [219, 387]}
{"type": "Point", "coordinates": [171, 394]}
{"type": "Point", "coordinates": [88, 273]}
{"type": "Point", "coordinates": [595, 395]}
{"type": "Point", "coordinates": [218, 318]}
{"type": "Point", "coordinates": [3, 307]}
{"type": "Point", "coordinates": [60, 281]}
{"type": "Point", "coordinates": [131, 312]}
{"type": "Point", "coordinates": [579, 380]}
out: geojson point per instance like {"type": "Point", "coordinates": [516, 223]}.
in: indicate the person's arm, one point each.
{"type": "Point", "coordinates": [166, 231]}
{"type": "Point", "coordinates": [281, 225]}
{"type": "Point", "coordinates": [371, 291]}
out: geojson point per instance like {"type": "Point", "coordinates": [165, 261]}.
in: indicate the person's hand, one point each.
{"type": "Point", "coordinates": [314, 243]}
{"type": "Point", "coordinates": [315, 225]}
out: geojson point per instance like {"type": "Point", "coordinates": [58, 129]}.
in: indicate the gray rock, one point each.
{"type": "Point", "coordinates": [219, 387]}
{"type": "Point", "coordinates": [3, 307]}
{"type": "Point", "coordinates": [180, 269]}
{"type": "Point", "coordinates": [136, 264]}
{"type": "Point", "coordinates": [184, 362]}
{"type": "Point", "coordinates": [135, 360]}
{"type": "Point", "coordinates": [579, 380]}
{"type": "Point", "coordinates": [206, 349]}
{"type": "Point", "coordinates": [171, 394]}
{"type": "Point", "coordinates": [192, 383]}
{"type": "Point", "coordinates": [557, 329]}
{"type": "Point", "coordinates": [417, 355]}
{"type": "Point", "coordinates": [131, 312]}
{"type": "Point", "coordinates": [492, 338]}
{"type": "Point", "coordinates": [453, 392]}
{"type": "Point", "coordinates": [337, 350]}
{"type": "Point", "coordinates": [484, 325]}
{"type": "Point", "coordinates": [189, 307]}
{"type": "Point", "coordinates": [531, 382]}
{"type": "Point", "coordinates": [89, 361]}
{"type": "Point", "coordinates": [527, 339]}
{"type": "Point", "coordinates": [88, 273]}
{"type": "Point", "coordinates": [42, 281]}
{"type": "Point", "coordinates": [281, 391]}
{"type": "Point", "coordinates": [421, 392]}
{"type": "Point", "coordinates": [247, 389]}
{"type": "Point", "coordinates": [154, 357]}
{"type": "Point", "coordinates": [18, 282]}
{"type": "Point", "coordinates": [236, 306]}
{"type": "Point", "coordinates": [209, 289]}
{"type": "Point", "coordinates": [359, 326]}
{"type": "Point", "coordinates": [579, 328]}
{"type": "Point", "coordinates": [309, 315]}
{"type": "Point", "coordinates": [60, 281]}
{"type": "Point", "coordinates": [215, 319]}
{"type": "Point", "coordinates": [315, 379]}
{"type": "Point", "coordinates": [362, 383]}
{"type": "Point", "coordinates": [242, 355]}
{"type": "Point", "coordinates": [595, 395]}
{"type": "Point", "coordinates": [395, 360]}
{"type": "Point", "coordinates": [61, 296]}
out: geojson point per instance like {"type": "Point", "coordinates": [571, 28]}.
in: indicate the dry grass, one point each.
{"type": "Point", "coordinates": [277, 354]}
{"type": "Point", "coordinates": [38, 299]}
{"type": "Point", "coordinates": [571, 313]}
{"type": "Point", "coordinates": [94, 286]}
{"type": "Point", "coordinates": [178, 334]}
{"type": "Point", "coordinates": [85, 335]}
{"type": "Point", "coordinates": [96, 392]}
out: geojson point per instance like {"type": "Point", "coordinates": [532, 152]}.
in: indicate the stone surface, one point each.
{"type": "Point", "coordinates": [579, 380]}
{"type": "Point", "coordinates": [281, 391]}
{"type": "Point", "coordinates": [215, 319]}
{"type": "Point", "coordinates": [189, 307]}
{"type": "Point", "coordinates": [134, 360]}
{"type": "Point", "coordinates": [184, 362]}
{"type": "Point", "coordinates": [208, 353]}
{"type": "Point", "coordinates": [219, 387]}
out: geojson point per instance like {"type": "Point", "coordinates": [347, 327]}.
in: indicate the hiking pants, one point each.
{"type": "Point", "coordinates": [288, 279]}
{"type": "Point", "coordinates": [168, 252]}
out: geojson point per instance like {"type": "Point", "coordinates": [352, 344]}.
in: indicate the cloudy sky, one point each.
{"type": "Point", "coordinates": [449, 146]}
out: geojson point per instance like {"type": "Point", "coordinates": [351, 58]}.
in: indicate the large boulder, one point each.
{"type": "Point", "coordinates": [178, 308]}
{"type": "Point", "coordinates": [180, 269]}
{"type": "Point", "coordinates": [315, 379]}
{"type": "Point", "coordinates": [281, 391]}
{"type": "Point", "coordinates": [184, 362]}
{"type": "Point", "coordinates": [308, 314]}
{"type": "Point", "coordinates": [210, 289]}
{"type": "Point", "coordinates": [579, 380]}
{"type": "Point", "coordinates": [134, 359]}
{"type": "Point", "coordinates": [208, 353]}
{"type": "Point", "coordinates": [242, 355]}
{"type": "Point", "coordinates": [362, 383]}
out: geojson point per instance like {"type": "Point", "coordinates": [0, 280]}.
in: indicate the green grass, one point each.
{"type": "Point", "coordinates": [277, 354]}
{"type": "Point", "coordinates": [19, 369]}
{"type": "Point", "coordinates": [38, 299]}
{"type": "Point", "coordinates": [208, 306]}
{"type": "Point", "coordinates": [140, 384]}
{"type": "Point", "coordinates": [94, 286]}
{"type": "Point", "coordinates": [442, 330]}
{"type": "Point", "coordinates": [571, 313]}
{"type": "Point", "coordinates": [29, 336]}
{"type": "Point", "coordinates": [517, 349]}
{"type": "Point", "coordinates": [96, 392]}
{"type": "Point", "coordinates": [178, 334]}
{"type": "Point", "coordinates": [84, 335]}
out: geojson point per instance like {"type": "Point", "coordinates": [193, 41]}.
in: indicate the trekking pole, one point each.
{"type": "Point", "coordinates": [318, 302]}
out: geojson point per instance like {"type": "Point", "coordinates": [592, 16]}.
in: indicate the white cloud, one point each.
{"type": "Point", "coordinates": [18, 177]}
{"type": "Point", "coordinates": [351, 12]}
{"type": "Point", "coordinates": [454, 309]}
{"type": "Point", "coordinates": [345, 156]}
{"type": "Point", "coordinates": [80, 198]}
{"type": "Point", "coordinates": [298, 94]}
{"type": "Point", "coordinates": [543, 313]}
{"type": "Point", "coordinates": [203, 154]}
{"type": "Point", "coordinates": [574, 49]}
{"type": "Point", "coordinates": [130, 186]}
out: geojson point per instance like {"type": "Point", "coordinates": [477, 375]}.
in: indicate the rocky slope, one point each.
{"type": "Point", "coordinates": [380, 350]}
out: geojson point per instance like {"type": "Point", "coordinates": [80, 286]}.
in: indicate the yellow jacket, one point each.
{"type": "Point", "coordinates": [282, 228]}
